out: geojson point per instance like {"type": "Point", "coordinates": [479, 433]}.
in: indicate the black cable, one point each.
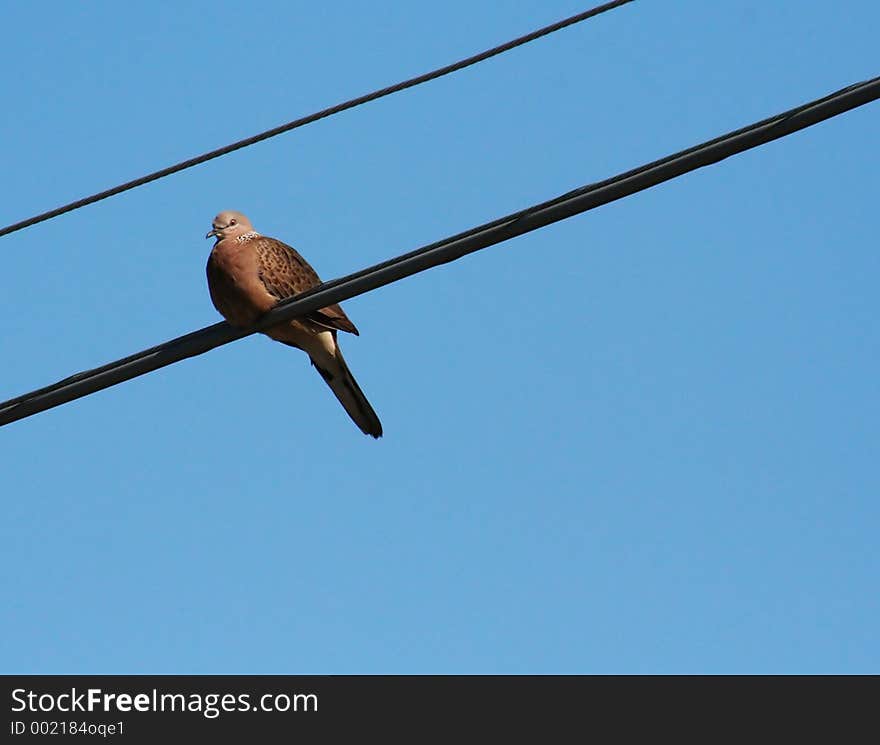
{"type": "Point", "coordinates": [574, 202]}
{"type": "Point", "coordinates": [350, 104]}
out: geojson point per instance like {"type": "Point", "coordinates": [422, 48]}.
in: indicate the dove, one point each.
{"type": "Point", "coordinates": [249, 273]}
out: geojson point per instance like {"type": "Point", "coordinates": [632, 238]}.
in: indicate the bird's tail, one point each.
{"type": "Point", "coordinates": [337, 375]}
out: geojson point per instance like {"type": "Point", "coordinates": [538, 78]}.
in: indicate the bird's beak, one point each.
{"type": "Point", "coordinates": [212, 233]}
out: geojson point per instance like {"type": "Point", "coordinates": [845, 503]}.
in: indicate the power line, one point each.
{"type": "Point", "coordinates": [323, 114]}
{"type": "Point", "coordinates": [449, 249]}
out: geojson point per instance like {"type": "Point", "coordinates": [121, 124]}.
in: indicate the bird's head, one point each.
{"type": "Point", "coordinates": [229, 224]}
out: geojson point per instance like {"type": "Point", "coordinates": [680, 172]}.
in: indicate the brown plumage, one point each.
{"type": "Point", "coordinates": [249, 273]}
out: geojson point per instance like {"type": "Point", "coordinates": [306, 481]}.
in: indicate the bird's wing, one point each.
{"type": "Point", "coordinates": [285, 273]}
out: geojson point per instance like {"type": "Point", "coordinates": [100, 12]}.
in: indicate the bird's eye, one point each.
{"type": "Point", "coordinates": [232, 222]}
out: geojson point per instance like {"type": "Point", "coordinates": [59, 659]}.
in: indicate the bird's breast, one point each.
{"type": "Point", "coordinates": [235, 285]}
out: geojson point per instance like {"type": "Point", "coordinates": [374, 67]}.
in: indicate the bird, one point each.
{"type": "Point", "coordinates": [249, 273]}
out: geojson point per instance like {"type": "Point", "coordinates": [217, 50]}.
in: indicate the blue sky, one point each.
{"type": "Point", "coordinates": [643, 440]}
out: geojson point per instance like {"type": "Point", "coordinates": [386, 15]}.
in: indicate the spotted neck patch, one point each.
{"type": "Point", "coordinates": [247, 236]}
